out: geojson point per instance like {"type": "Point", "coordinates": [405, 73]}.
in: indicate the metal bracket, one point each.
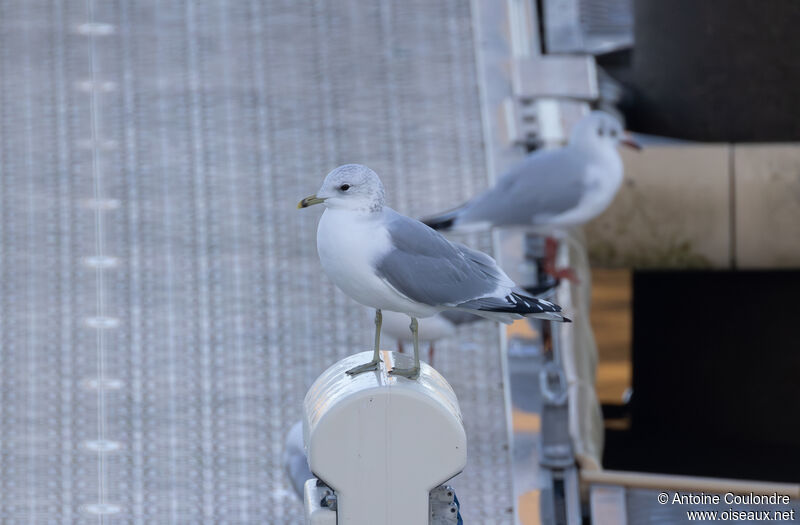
{"type": "Point", "coordinates": [322, 504]}
{"type": "Point", "coordinates": [444, 506]}
{"type": "Point", "coordinates": [571, 77]}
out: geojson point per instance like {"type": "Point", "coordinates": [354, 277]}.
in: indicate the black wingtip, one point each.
{"type": "Point", "coordinates": [539, 289]}
{"type": "Point", "coordinates": [443, 221]}
{"type": "Point", "coordinates": [541, 304]}
{"type": "Point", "coordinates": [438, 223]}
{"type": "Point", "coordinates": [565, 319]}
{"type": "Point", "coordinates": [515, 303]}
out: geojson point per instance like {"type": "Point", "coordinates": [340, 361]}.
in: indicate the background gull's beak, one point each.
{"type": "Point", "coordinates": [309, 201]}
{"type": "Point", "coordinates": [629, 141]}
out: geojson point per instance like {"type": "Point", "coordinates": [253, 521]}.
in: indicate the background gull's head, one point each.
{"type": "Point", "coordinates": [599, 131]}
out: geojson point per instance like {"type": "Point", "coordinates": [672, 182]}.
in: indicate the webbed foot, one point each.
{"type": "Point", "coordinates": [366, 367]}
{"type": "Point", "coordinates": [411, 373]}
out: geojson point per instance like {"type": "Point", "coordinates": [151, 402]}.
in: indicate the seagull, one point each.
{"type": "Point", "coordinates": [551, 189]}
{"type": "Point", "coordinates": [387, 261]}
{"type": "Point", "coordinates": [431, 329]}
{"type": "Point", "coordinates": [295, 463]}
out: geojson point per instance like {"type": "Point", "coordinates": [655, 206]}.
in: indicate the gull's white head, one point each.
{"type": "Point", "coordinates": [599, 131]}
{"type": "Point", "coordinates": [352, 186]}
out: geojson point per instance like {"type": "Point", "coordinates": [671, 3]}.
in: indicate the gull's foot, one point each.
{"type": "Point", "coordinates": [566, 273]}
{"type": "Point", "coordinates": [411, 373]}
{"type": "Point", "coordinates": [367, 367]}
{"type": "Point", "coordinates": [551, 251]}
{"type": "Point", "coordinates": [562, 273]}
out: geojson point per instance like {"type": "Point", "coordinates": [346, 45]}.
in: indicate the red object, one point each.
{"type": "Point", "coordinates": [550, 251]}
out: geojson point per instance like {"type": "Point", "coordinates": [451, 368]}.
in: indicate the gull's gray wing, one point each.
{"type": "Point", "coordinates": [545, 184]}
{"type": "Point", "coordinates": [427, 268]}
{"type": "Point", "coordinates": [459, 317]}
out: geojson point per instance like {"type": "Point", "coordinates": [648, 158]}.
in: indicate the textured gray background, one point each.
{"type": "Point", "coordinates": [200, 126]}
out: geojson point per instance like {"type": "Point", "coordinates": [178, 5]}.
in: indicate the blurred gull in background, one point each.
{"type": "Point", "coordinates": [388, 261]}
{"type": "Point", "coordinates": [431, 329]}
{"type": "Point", "coordinates": [551, 189]}
{"type": "Point", "coordinates": [295, 463]}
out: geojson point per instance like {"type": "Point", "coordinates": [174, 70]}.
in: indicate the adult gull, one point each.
{"type": "Point", "coordinates": [387, 261]}
{"type": "Point", "coordinates": [551, 189]}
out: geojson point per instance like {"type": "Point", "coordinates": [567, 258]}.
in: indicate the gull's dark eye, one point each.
{"type": "Point", "coordinates": [600, 132]}
{"type": "Point", "coordinates": [344, 187]}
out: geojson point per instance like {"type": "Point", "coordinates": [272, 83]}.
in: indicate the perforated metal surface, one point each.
{"type": "Point", "coordinates": [162, 310]}
{"type": "Point", "coordinates": [588, 26]}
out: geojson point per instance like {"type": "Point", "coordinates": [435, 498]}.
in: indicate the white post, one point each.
{"type": "Point", "coordinates": [383, 442]}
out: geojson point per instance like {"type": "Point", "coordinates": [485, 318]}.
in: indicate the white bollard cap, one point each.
{"type": "Point", "coordinates": [383, 442]}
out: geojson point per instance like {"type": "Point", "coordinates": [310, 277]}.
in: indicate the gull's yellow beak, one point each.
{"type": "Point", "coordinates": [309, 201]}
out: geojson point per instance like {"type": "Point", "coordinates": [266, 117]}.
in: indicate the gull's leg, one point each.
{"type": "Point", "coordinates": [372, 365]}
{"type": "Point", "coordinates": [551, 250]}
{"type": "Point", "coordinates": [400, 346]}
{"type": "Point", "coordinates": [411, 373]}
{"type": "Point", "coordinates": [430, 354]}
